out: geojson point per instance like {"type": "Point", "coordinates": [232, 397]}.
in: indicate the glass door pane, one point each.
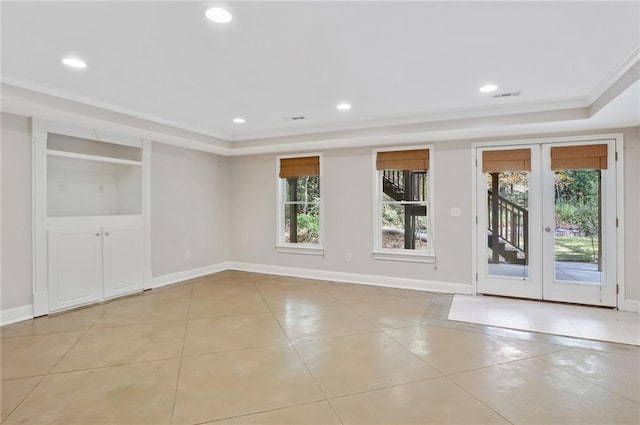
{"type": "Point", "coordinates": [508, 223]}
{"type": "Point", "coordinates": [578, 225]}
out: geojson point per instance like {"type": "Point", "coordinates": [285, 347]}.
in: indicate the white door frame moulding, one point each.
{"type": "Point", "coordinates": [623, 304]}
{"type": "Point", "coordinates": [181, 276]}
{"type": "Point", "coordinates": [39, 133]}
{"type": "Point", "coordinates": [16, 314]}
{"type": "Point", "coordinates": [363, 279]}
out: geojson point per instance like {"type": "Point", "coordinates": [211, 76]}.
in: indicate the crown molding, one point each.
{"type": "Point", "coordinates": [519, 120]}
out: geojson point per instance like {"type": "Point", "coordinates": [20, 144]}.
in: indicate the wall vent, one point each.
{"type": "Point", "coordinates": [507, 94]}
{"type": "Point", "coordinates": [297, 118]}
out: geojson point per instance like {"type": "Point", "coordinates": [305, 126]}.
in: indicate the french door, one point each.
{"type": "Point", "coordinates": [547, 221]}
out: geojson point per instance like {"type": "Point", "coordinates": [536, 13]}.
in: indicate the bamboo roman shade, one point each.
{"type": "Point", "coordinates": [403, 160]}
{"type": "Point", "coordinates": [579, 157]}
{"type": "Point", "coordinates": [506, 160]}
{"type": "Point", "coordinates": [298, 167]}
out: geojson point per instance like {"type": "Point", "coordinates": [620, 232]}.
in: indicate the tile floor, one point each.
{"type": "Point", "coordinates": [558, 319]}
{"type": "Point", "coordinates": [240, 348]}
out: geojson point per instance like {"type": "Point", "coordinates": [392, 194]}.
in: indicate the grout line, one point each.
{"type": "Point", "coordinates": [257, 413]}
{"type": "Point", "coordinates": [184, 338]}
{"type": "Point", "coordinates": [299, 356]}
{"type": "Point", "coordinates": [543, 358]}
{"type": "Point", "coordinates": [26, 395]}
{"type": "Point", "coordinates": [56, 364]}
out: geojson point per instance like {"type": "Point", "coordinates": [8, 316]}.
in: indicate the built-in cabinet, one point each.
{"type": "Point", "coordinates": [91, 218]}
{"type": "Point", "coordinates": [91, 263]}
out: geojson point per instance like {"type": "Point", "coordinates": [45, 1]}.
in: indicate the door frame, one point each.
{"type": "Point", "coordinates": [619, 168]}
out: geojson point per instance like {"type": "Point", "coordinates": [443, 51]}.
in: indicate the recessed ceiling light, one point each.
{"type": "Point", "coordinates": [488, 88]}
{"type": "Point", "coordinates": [218, 15]}
{"type": "Point", "coordinates": [74, 62]}
{"type": "Point", "coordinates": [239, 120]}
{"type": "Point", "coordinates": [343, 106]}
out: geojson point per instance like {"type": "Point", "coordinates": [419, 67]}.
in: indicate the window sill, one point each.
{"type": "Point", "coordinates": [304, 250]}
{"type": "Point", "coordinates": [411, 257]}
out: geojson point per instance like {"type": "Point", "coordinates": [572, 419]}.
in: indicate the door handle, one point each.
{"type": "Point", "coordinates": [547, 229]}
{"type": "Point", "coordinates": [106, 233]}
{"type": "Point", "coordinates": [97, 234]}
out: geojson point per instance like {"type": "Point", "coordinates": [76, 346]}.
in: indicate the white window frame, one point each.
{"type": "Point", "coordinates": [407, 255]}
{"type": "Point", "coordinates": [297, 248]}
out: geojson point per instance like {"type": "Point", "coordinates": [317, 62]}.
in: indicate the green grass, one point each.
{"type": "Point", "coordinates": [576, 249]}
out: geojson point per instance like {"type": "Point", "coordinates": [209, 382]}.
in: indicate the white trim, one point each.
{"type": "Point", "coordinates": [616, 74]}
{"type": "Point", "coordinates": [146, 211]}
{"type": "Point", "coordinates": [168, 279]}
{"type": "Point", "coordinates": [632, 306]}
{"type": "Point", "coordinates": [16, 314]}
{"type": "Point", "coordinates": [375, 280]}
{"type": "Point", "coordinates": [403, 255]}
{"type": "Point", "coordinates": [300, 249]}
{"type": "Point", "coordinates": [380, 253]}
{"type": "Point", "coordinates": [281, 245]}
{"type": "Point", "coordinates": [63, 154]}
{"type": "Point", "coordinates": [620, 234]}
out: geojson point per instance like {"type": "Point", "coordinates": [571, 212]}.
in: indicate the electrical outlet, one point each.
{"type": "Point", "coordinates": [61, 187]}
{"type": "Point", "coordinates": [187, 254]}
{"type": "Point", "coordinates": [455, 212]}
{"type": "Point", "coordinates": [347, 257]}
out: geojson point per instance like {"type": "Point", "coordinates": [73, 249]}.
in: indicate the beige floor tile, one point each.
{"type": "Point", "coordinates": [125, 344]}
{"type": "Point", "coordinates": [133, 394]}
{"type": "Point", "coordinates": [12, 392]}
{"type": "Point", "coordinates": [76, 320]}
{"type": "Point", "coordinates": [179, 290]}
{"type": "Point", "coordinates": [617, 372]}
{"type": "Point", "coordinates": [436, 401]}
{"type": "Point", "coordinates": [531, 391]}
{"type": "Point", "coordinates": [232, 333]}
{"type": "Point", "coordinates": [228, 305]}
{"type": "Point", "coordinates": [451, 351]}
{"type": "Point", "coordinates": [392, 313]}
{"type": "Point", "coordinates": [298, 299]}
{"type": "Point", "coordinates": [322, 322]}
{"type": "Point", "coordinates": [358, 363]}
{"type": "Point", "coordinates": [319, 413]}
{"type": "Point", "coordinates": [352, 293]}
{"type": "Point", "coordinates": [34, 355]}
{"type": "Point", "coordinates": [144, 310]}
{"type": "Point", "coordinates": [533, 348]}
{"type": "Point", "coordinates": [284, 283]}
{"type": "Point", "coordinates": [224, 385]}
{"type": "Point", "coordinates": [223, 287]}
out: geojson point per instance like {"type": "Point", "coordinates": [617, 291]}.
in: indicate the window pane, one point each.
{"type": "Point", "coordinates": [302, 223]}
{"type": "Point", "coordinates": [404, 226]}
{"type": "Point", "coordinates": [302, 189]}
{"type": "Point", "coordinates": [404, 209]}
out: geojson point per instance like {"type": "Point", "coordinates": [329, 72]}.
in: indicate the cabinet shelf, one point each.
{"type": "Point", "coordinates": [64, 154]}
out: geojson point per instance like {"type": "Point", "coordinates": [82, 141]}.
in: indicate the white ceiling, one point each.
{"type": "Point", "coordinates": [396, 62]}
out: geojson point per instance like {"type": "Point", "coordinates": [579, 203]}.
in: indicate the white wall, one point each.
{"type": "Point", "coordinates": [348, 205]}
{"type": "Point", "coordinates": [347, 191]}
{"type": "Point", "coordinates": [189, 209]}
{"type": "Point", "coordinates": [15, 144]}
{"type": "Point", "coordinates": [189, 196]}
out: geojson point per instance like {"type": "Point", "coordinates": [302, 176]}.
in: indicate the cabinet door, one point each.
{"type": "Point", "coordinates": [75, 267]}
{"type": "Point", "coordinates": [123, 260]}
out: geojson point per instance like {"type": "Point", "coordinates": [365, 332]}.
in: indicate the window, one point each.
{"type": "Point", "coordinates": [403, 222]}
{"type": "Point", "coordinates": [299, 205]}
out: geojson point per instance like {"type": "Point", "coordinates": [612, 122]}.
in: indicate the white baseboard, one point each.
{"type": "Point", "coordinates": [17, 314]}
{"type": "Point", "coordinates": [631, 305]}
{"type": "Point", "coordinates": [168, 279]}
{"type": "Point", "coordinates": [390, 282]}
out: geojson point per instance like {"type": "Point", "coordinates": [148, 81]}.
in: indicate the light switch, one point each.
{"type": "Point", "coordinates": [455, 212]}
